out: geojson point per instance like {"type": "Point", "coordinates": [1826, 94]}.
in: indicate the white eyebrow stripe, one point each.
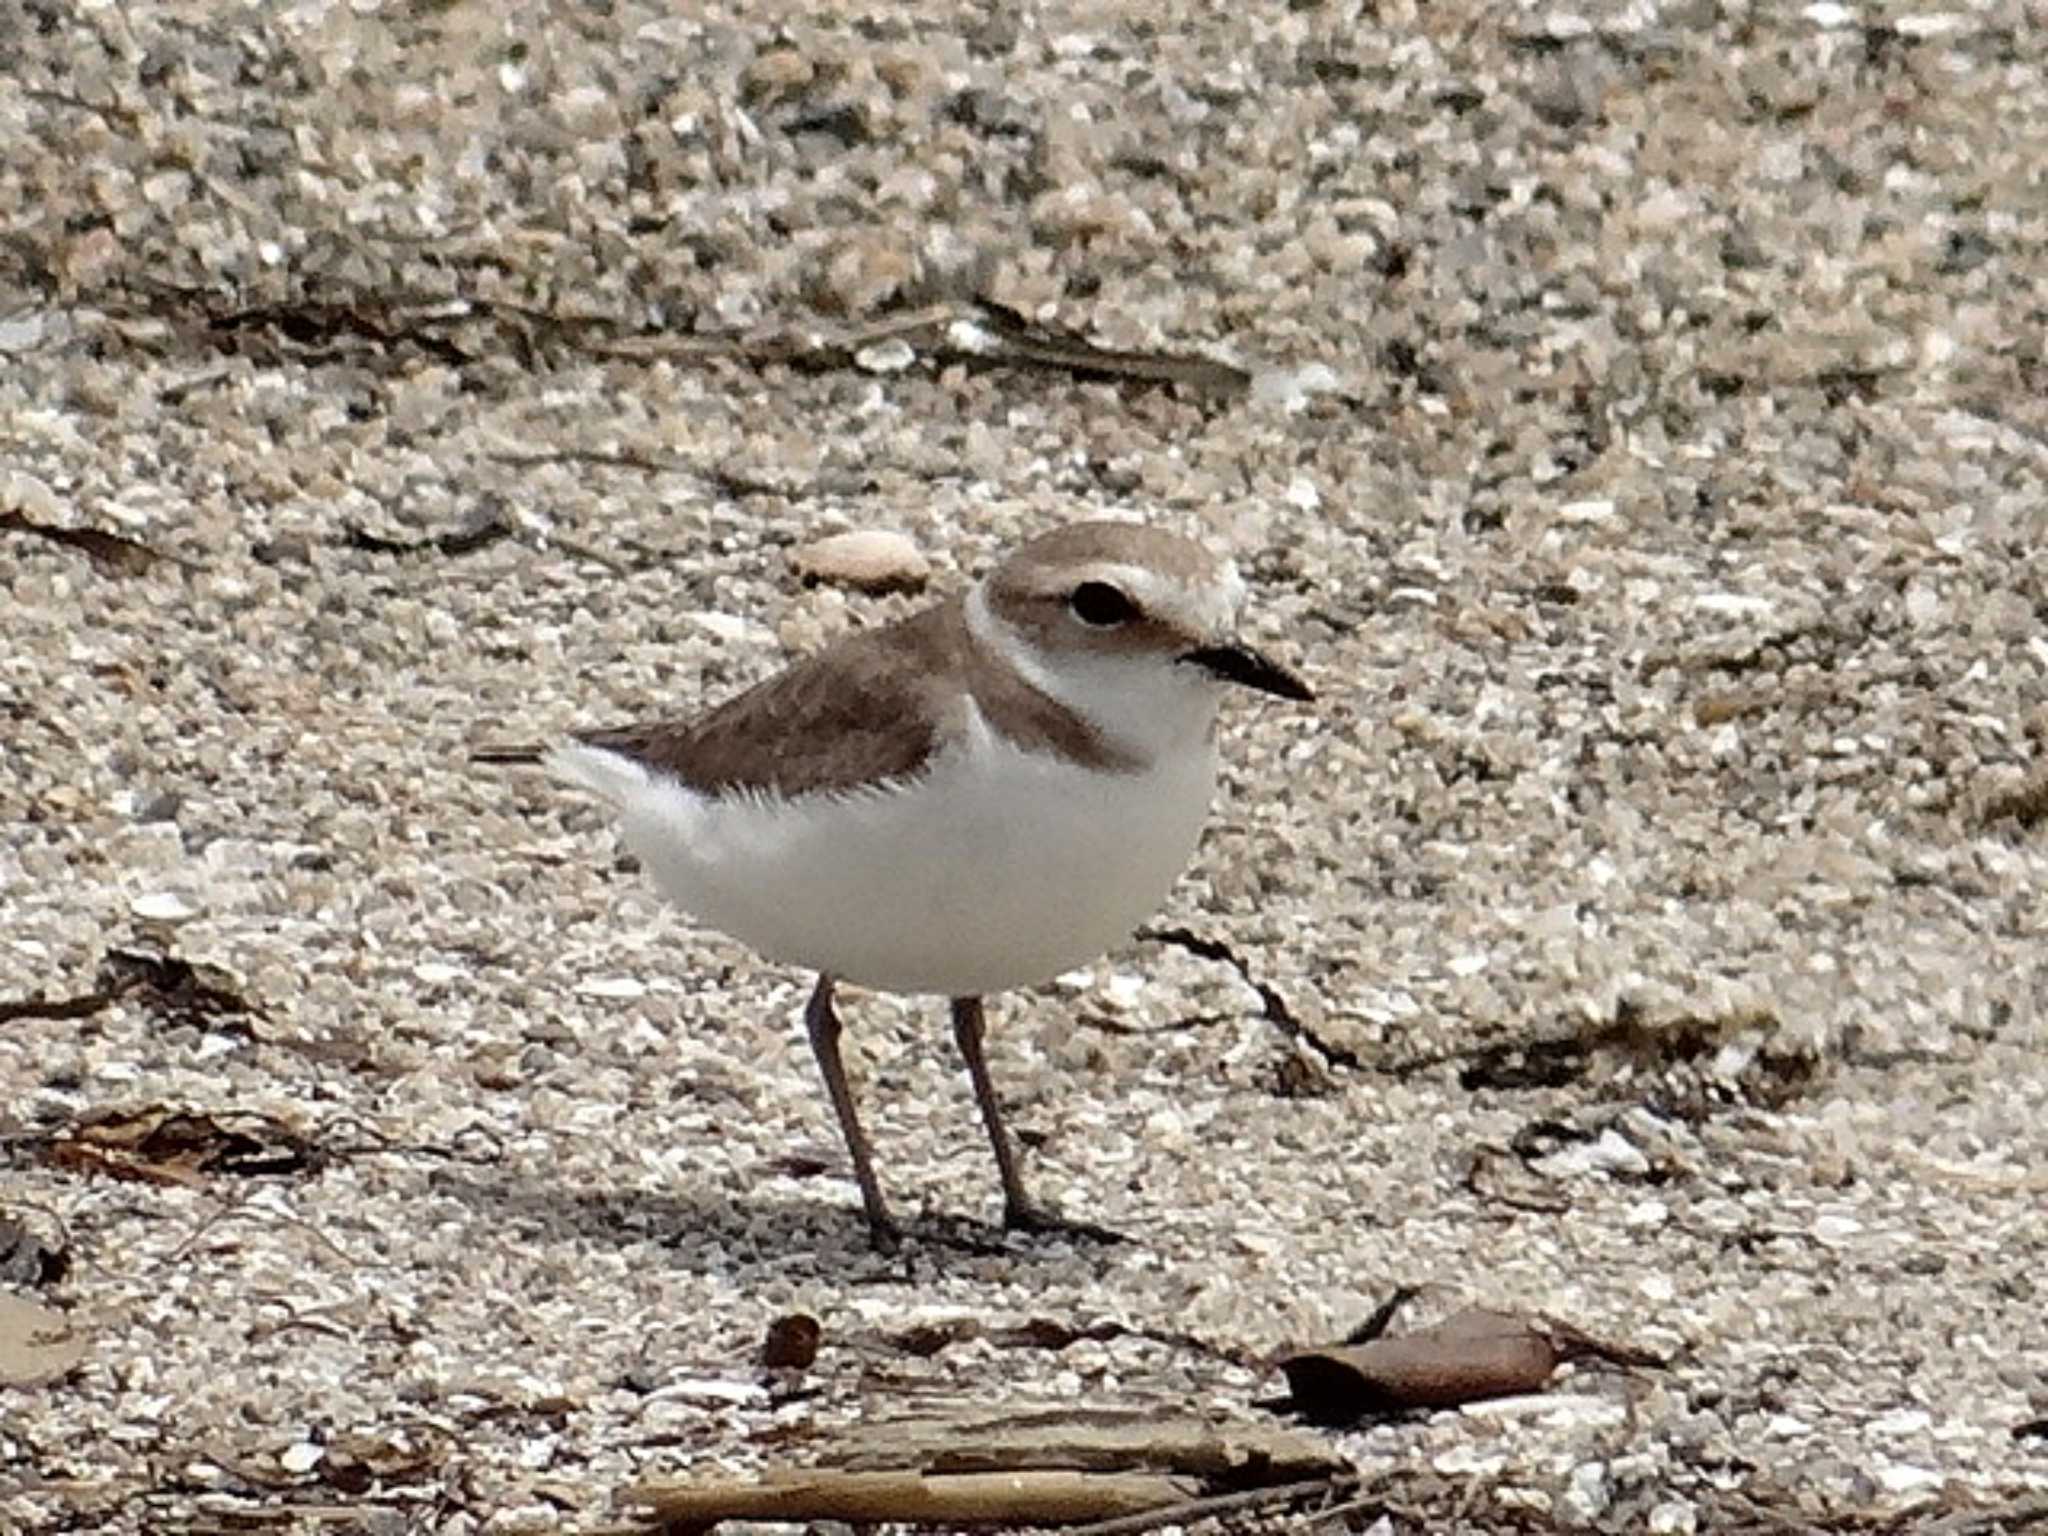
{"type": "Point", "coordinates": [1213, 606]}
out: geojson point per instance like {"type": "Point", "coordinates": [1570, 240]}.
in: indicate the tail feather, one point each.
{"type": "Point", "coordinates": [604, 773]}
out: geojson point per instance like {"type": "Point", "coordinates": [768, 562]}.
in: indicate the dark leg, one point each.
{"type": "Point", "coordinates": [823, 1023]}
{"type": "Point", "coordinates": [1019, 1210]}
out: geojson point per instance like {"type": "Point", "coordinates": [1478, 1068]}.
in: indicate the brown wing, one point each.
{"type": "Point", "coordinates": [855, 713]}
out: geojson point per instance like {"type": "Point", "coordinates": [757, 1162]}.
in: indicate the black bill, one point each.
{"type": "Point", "coordinates": [1242, 664]}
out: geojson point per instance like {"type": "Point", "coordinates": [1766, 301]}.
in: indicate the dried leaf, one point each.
{"type": "Point", "coordinates": [160, 1145]}
{"type": "Point", "coordinates": [182, 991]}
{"type": "Point", "coordinates": [1471, 1355]}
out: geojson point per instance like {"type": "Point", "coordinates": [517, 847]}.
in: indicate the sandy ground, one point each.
{"type": "Point", "coordinates": [1643, 450]}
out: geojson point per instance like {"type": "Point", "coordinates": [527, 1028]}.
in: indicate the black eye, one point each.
{"type": "Point", "coordinates": [1100, 605]}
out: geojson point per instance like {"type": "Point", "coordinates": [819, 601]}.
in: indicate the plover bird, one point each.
{"type": "Point", "coordinates": [979, 797]}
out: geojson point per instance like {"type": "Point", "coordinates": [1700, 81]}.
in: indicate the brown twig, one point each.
{"type": "Point", "coordinates": [1214, 1506]}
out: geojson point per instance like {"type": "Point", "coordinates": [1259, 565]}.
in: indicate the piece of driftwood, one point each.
{"type": "Point", "coordinates": [1162, 1437]}
{"type": "Point", "coordinates": [942, 1499]}
{"type": "Point", "coordinates": [1021, 1466]}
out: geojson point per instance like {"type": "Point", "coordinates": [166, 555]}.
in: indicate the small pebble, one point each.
{"type": "Point", "coordinates": [163, 907]}
{"type": "Point", "coordinates": [867, 560]}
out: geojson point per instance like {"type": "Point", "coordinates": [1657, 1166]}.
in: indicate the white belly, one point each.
{"type": "Point", "coordinates": [998, 869]}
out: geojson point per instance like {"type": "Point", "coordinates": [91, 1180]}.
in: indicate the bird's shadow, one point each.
{"type": "Point", "coordinates": [714, 1230]}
